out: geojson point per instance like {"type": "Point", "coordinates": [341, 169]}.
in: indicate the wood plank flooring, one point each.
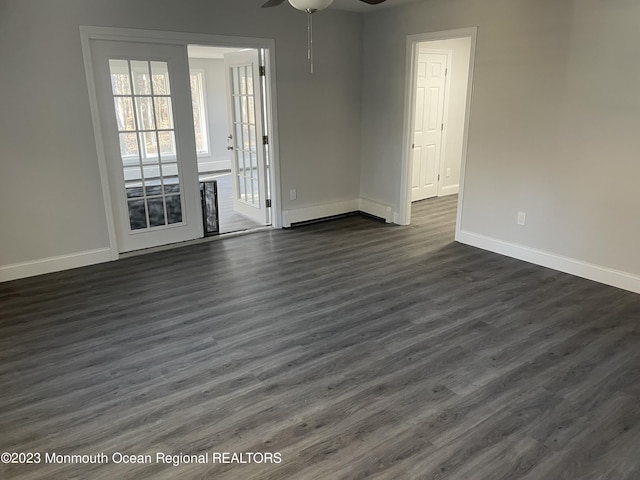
{"type": "Point", "coordinates": [352, 348]}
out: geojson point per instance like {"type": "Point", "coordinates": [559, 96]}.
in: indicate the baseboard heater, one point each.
{"type": "Point", "coordinates": [360, 213]}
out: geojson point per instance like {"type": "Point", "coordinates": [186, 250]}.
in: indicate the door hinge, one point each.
{"type": "Point", "coordinates": [263, 71]}
{"type": "Point", "coordinates": [446, 71]}
{"type": "Point", "coordinates": [438, 177]}
{"type": "Point", "coordinates": [442, 127]}
{"type": "Point", "coordinates": [267, 203]}
{"type": "Point", "coordinates": [265, 140]}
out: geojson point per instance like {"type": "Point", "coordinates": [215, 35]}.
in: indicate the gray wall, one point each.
{"type": "Point", "coordinates": [554, 127]}
{"type": "Point", "coordinates": [49, 180]}
{"type": "Point", "coordinates": [554, 116]}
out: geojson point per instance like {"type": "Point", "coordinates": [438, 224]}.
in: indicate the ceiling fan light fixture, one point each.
{"type": "Point", "coordinates": [310, 5]}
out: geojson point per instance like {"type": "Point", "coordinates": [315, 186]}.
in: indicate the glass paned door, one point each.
{"type": "Point", "coordinates": [245, 103]}
{"type": "Point", "coordinates": [145, 108]}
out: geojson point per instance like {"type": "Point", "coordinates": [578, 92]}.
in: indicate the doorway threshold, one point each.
{"type": "Point", "coordinates": [196, 241]}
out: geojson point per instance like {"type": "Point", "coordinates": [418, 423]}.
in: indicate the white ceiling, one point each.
{"type": "Point", "coordinates": [358, 6]}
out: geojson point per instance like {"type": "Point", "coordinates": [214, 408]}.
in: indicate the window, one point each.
{"type": "Point", "coordinates": [125, 115]}
{"type": "Point", "coordinates": [199, 112]}
{"type": "Point", "coordinates": [153, 117]}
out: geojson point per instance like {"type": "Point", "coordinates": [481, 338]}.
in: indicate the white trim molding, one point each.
{"type": "Point", "coordinates": [217, 165]}
{"type": "Point", "coordinates": [54, 264]}
{"type": "Point", "coordinates": [597, 273]}
{"type": "Point", "coordinates": [449, 190]}
{"type": "Point", "coordinates": [403, 216]}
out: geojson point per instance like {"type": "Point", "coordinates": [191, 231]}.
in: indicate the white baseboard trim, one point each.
{"type": "Point", "coordinates": [597, 273]}
{"type": "Point", "coordinates": [376, 209]}
{"type": "Point", "coordinates": [54, 264]}
{"type": "Point", "coordinates": [397, 219]}
{"type": "Point", "coordinates": [449, 190]}
{"type": "Point", "coordinates": [213, 165]}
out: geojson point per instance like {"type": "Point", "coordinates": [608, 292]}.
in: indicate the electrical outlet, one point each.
{"type": "Point", "coordinates": [448, 172]}
{"type": "Point", "coordinates": [293, 194]}
{"type": "Point", "coordinates": [522, 218]}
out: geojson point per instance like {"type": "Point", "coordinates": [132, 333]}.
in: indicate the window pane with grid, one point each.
{"type": "Point", "coordinates": [246, 134]}
{"type": "Point", "coordinates": [144, 117]}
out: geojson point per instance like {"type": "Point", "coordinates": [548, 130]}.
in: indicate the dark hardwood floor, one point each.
{"type": "Point", "coordinates": [352, 348]}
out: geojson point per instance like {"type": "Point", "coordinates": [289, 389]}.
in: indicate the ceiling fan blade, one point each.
{"type": "Point", "coordinates": [273, 3]}
{"type": "Point", "coordinates": [372, 2]}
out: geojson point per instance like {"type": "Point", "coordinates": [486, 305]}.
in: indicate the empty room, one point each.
{"type": "Point", "coordinates": [315, 239]}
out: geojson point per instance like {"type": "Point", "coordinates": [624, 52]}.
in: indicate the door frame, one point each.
{"type": "Point", "coordinates": [404, 212]}
{"type": "Point", "coordinates": [88, 33]}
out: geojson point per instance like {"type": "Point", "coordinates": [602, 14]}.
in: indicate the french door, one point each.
{"type": "Point", "coordinates": [144, 103]}
{"type": "Point", "coordinates": [245, 109]}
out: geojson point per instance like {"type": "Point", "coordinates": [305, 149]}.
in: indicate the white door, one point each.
{"type": "Point", "coordinates": [144, 103]}
{"type": "Point", "coordinates": [431, 72]}
{"type": "Point", "coordinates": [245, 107]}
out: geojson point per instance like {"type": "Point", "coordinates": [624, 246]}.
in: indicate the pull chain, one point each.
{"type": "Point", "coordinates": [310, 13]}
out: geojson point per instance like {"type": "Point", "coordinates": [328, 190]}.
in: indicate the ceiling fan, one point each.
{"type": "Point", "coordinates": [315, 5]}
{"type": "Point", "coordinates": [310, 7]}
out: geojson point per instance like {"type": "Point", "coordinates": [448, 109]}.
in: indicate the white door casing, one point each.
{"type": "Point", "coordinates": [144, 104]}
{"type": "Point", "coordinates": [246, 147]}
{"type": "Point", "coordinates": [431, 73]}
{"type": "Point", "coordinates": [403, 215]}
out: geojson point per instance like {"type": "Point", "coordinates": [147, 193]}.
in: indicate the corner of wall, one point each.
{"type": "Point", "coordinates": [376, 209]}
{"type": "Point", "coordinates": [316, 212]}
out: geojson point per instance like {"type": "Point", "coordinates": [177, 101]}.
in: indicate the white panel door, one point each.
{"type": "Point", "coordinates": [431, 71]}
{"type": "Point", "coordinates": [245, 107]}
{"type": "Point", "coordinates": [144, 103]}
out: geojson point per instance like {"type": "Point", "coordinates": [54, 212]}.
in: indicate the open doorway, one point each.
{"type": "Point", "coordinates": [141, 102]}
{"type": "Point", "coordinates": [230, 126]}
{"type": "Point", "coordinates": [439, 74]}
